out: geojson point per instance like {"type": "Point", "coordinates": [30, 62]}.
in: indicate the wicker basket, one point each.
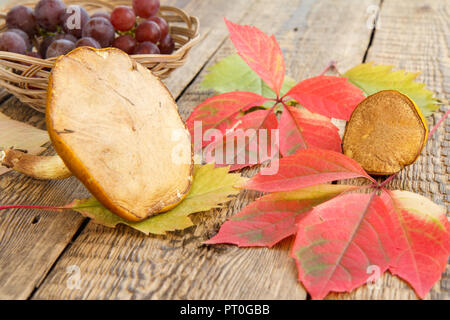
{"type": "Point", "coordinates": [27, 77]}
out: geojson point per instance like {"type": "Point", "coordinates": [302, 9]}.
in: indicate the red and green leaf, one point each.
{"type": "Point", "coordinates": [340, 240]}
{"type": "Point", "coordinates": [422, 238]}
{"type": "Point", "coordinates": [261, 52]}
{"type": "Point", "coordinates": [220, 112]}
{"type": "Point", "coordinates": [273, 217]}
{"type": "Point", "coordinates": [333, 97]}
{"type": "Point", "coordinates": [302, 129]}
{"type": "Point", "coordinates": [306, 168]}
{"type": "Point", "coordinates": [241, 146]}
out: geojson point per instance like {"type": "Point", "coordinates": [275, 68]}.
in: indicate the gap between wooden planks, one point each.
{"type": "Point", "coordinates": [123, 264]}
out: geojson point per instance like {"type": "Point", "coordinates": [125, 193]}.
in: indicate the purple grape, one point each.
{"type": "Point", "coordinates": [148, 31]}
{"type": "Point", "coordinates": [48, 14]}
{"type": "Point", "coordinates": [101, 30]}
{"type": "Point", "coordinates": [162, 24]}
{"type": "Point", "coordinates": [73, 20]}
{"type": "Point", "coordinates": [123, 18]}
{"type": "Point", "coordinates": [88, 42]}
{"type": "Point", "coordinates": [146, 47]}
{"type": "Point", "coordinates": [12, 42]}
{"type": "Point", "coordinates": [101, 14]}
{"type": "Point", "coordinates": [24, 36]}
{"type": "Point", "coordinates": [59, 47]}
{"type": "Point", "coordinates": [22, 18]}
{"type": "Point", "coordinates": [34, 54]}
{"type": "Point", "coordinates": [126, 43]}
{"type": "Point", "coordinates": [146, 8]}
{"type": "Point", "coordinates": [166, 45]}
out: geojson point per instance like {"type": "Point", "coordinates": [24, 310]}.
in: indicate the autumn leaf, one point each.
{"type": "Point", "coordinates": [210, 188]}
{"type": "Point", "coordinates": [273, 217]}
{"type": "Point", "coordinates": [20, 136]}
{"type": "Point", "coordinates": [261, 52]}
{"type": "Point", "coordinates": [233, 74]}
{"type": "Point", "coordinates": [422, 239]}
{"type": "Point", "coordinates": [306, 168]}
{"type": "Point", "coordinates": [333, 97]}
{"type": "Point", "coordinates": [221, 111]}
{"type": "Point", "coordinates": [340, 240]}
{"type": "Point", "coordinates": [250, 133]}
{"type": "Point", "coordinates": [374, 78]}
{"type": "Point", "coordinates": [302, 129]}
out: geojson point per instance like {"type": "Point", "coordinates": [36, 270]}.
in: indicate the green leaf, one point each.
{"type": "Point", "coordinates": [210, 188]}
{"type": "Point", "coordinates": [374, 78]}
{"type": "Point", "coordinates": [233, 74]}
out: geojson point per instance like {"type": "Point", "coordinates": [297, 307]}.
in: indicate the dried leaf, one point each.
{"type": "Point", "coordinates": [340, 241]}
{"type": "Point", "coordinates": [273, 217]}
{"type": "Point", "coordinates": [240, 147]}
{"type": "Point", "coordinates": [301, 129]}
{"type": "Point", "coordinates": [261, 52]}
{"type": "Point", "coordinates": [422, 238]}
{"type": "Point", "coordinates": [333, 97]}
{"type": "Point", "coordinates": [221, 111]}
{"type": "Point", "coordinates": [306, 168]}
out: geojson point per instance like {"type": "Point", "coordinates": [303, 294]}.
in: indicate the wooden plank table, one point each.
{"type": "Point", "coordinates": [37, 248]}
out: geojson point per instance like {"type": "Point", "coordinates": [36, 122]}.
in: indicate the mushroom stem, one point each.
{"type": "Point", "coordinates": [38, 167]}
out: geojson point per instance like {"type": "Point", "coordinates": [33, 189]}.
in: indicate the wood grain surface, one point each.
{"type": "Point", "coordinates": [37, 248]}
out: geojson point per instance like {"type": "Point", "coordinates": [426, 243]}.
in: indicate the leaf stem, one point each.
{"type": "Point", "coordinates": [31, 207]}
{"type": "Point", "coordinates": [433, 130]}
{"type": "Point", "coordinates": [331, 65]}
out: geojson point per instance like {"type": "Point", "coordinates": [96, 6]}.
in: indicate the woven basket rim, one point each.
{"type": "Point", "coordinates": [194, 22]}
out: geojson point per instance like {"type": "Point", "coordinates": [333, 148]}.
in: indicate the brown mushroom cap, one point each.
{"type": "Point", "coordinates": [118, 130]}
{"type": "Point", "coordinates": [385, 133]}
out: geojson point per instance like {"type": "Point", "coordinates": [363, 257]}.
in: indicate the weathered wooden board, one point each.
{"type": "Point", "coordinates": [122, 264]}
{"type": "Point", "coordinates": [413, 35]}
{"type": "Point", "coordinates": [28, 249]}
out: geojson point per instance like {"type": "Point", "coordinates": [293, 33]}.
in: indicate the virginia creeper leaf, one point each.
{"type": "Point", "coordinates": [374, 78]}
{"type": "Point", "coordinates": [340, 240]}
{"type": "Point", "coordinates": [301, 129]}
{"type": "Point", "coordinates": [271, 218]}
{"type": "Point", "coordinates": [306, 168]}
{"type": "Point", "coordinates": [261, 52]}
{"type": "Point", "coordinates": [333, 97]}
{"type": "Point", "coordinates": [20, 136]}
{"type": "Point", "coordinates": [220, 112]}
{"type": "Point", "coordinates": [210, 188]}
{"type": "Point", "coordinates": [241, 146]}
{"type": "Point", "coordinates": [233, 74]}
{"type": "Point", "coordinates": [422, 239]}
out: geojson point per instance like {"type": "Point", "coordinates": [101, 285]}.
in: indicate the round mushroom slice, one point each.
{"type": "Point", "coordinates": [385, 133]}
{"type": "Point", "coordinates": [118, 130]}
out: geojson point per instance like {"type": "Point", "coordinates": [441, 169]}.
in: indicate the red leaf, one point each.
{"type": "Point", "coordinates": [340, 241]}
{"type": "Point", "coordinates": [272, 217]}
{"type": "Point", "coordinates": [333, 97]}
{"type": "Point", "coordinates": [242, 146]}
{"type": "Point", "coordinates": [306, 168]}
{"type": "Point", "coordinates": [422, 239]}
{"type": "Point", "coordinates": [261, 52]}
{"type": "Point", "coordinates": [301, 129]}
{"type": "Point", "coordinates": [220, 112]}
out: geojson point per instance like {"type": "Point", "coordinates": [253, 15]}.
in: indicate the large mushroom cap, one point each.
{"type": "Point", "coordinates": [386, 132]}
{"type": "Point", "coordinates": [117, 129]}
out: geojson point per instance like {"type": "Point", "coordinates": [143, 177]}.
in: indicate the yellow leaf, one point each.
{"type": "Point", "coordinates": [374, 78]}
{"type": "Point", "coordinates": [210, 188]}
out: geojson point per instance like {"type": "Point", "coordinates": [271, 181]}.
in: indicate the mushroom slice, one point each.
{"type": "Point", "coordinates": [385, 133]}
{"type": "Point", "coordinates": [118, 130]}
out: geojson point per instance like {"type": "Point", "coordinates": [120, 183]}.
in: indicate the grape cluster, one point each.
{"type": "Point", "coordinates": [60, 29]}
